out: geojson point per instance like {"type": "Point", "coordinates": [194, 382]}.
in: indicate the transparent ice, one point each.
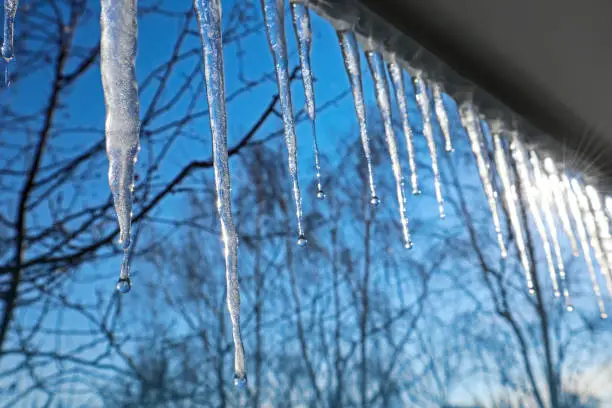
{"type": "Point", "coordinates": [303, 32]}
{"type": "Point", "coordinates": [377, 68]}
{"type": "Point", "coordinates": [424, 103]}
{"type": "Point", "coordinates": [397, 79]}
{"type": "Point", "coordinates": [209, 21]}
{"type": "Point", "coordinates": [122, 128]}
{"type": "Point", "coordinates": [471, 123]}
{"type": "Point", "coordinates": [510, 200]}
{"type": "Point", "coordinates": [350, 54]}
{"type": "Point", "coordinates": [530, 192]}
{"type": "Point", "coordinates": [274, 21]}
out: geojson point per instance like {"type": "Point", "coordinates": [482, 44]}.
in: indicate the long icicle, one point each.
{"type": "Point", "coordinates": [510, 199]}
{"type": "Point", "coordinates": [118, 67]}
{"type": "Point", "coordinates": [442, 116]}
{"type": "Point", "coordinates": [303, 32]}
{"type": "Point", "coordinates": [350, 54]}
{"type": "Point", "coordinates": [209, 21]}
{"type": "Point", "coordinates": [397, 79]}
{"type": "Point", "coordinates": [377, 68]}
{"type": "Point", "coordinates": [545, 194]}
{"type": "Point", "coordinates": [560, 203]}
{"type": "Point", "coordinates": [472, 126]}
{"type": "Point", "coordinates": [584, 241]}
{"type": "Point", "coordinates": [591, 227]}
{"type": "Point", "coordinates": [602, 223]}
{"type": "Point", "coordinates": [10, 11]}
{"type": "Point", "coordinates": [518, 153]}
{"type": "Point", "coordinates": [422, 98]}
{"type": "Point", "coordinates": [274, 20]}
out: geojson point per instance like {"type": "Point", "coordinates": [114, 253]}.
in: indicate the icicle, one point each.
{"type": "Point", "coordinates": [122, 128]}
{"type": "Point", "coordinates": [472, 127]}
{"type": "Point", "coordinates": [301, 25]}
{"type": "Point", "coordinates": [397, 79]}
{"type": "Point", "coordinates": [530, 193]}
{"type": "Point", "coordinates": [545, 194]}
{"type": "Point", "coordinates": [424, 103]}
{"type": "Point", "coordinates": [209, 21]}
{"type": "Point", "coordinates": [510, 200]}
{"type": "Point", "coordinates": [584, 242]}
{"type": "Point", "coordinates": [350, 54]}
{"type": "Point", "coordinates": [274, 19]}
{"type": "Point", "coordinates": [442, 116]}
{"type": "Point", "coordinates": [608, 203]}
{"type": "Point", "coordinates": [603, 225]}
{"type": "Point", "coordinates": [591, 227]}
{"type": "Point", "coordinates": [377, 68]}
{"type": "Point", "coordinates": [10, 10]}
{"type": "Point", "coordinates": [557, 193]}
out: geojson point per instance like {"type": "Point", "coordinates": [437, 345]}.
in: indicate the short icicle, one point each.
{"type": "Point", "coordinates": [10, 11]}
{"type": "Point", "coordinates": [397, 79]}
{"type": "Point", "coordinates": [471, 123]}
{"type": "Point", "coordinates": [350, 54]}
{"type": "Point", "coordinates": [529, 192]}
{"type": "Point", "coordinates": [303, 32]}
{"type": "Point", "coordinates": [583, 238]}
{"type": "Point", "coordinates": [422, 98]}
{"type": "Point", "coordinates": [442, 116]}
{"type": "Point", "coordinates": [377, 68]}
{"type": "Point", "coordinates": [545, 194]}
{"type": "Point", "coordinates": [510, 200]}
{"type": "Point", "coordinates": [118, 67]}
{"type": "Point", "coordinates": [560, 202]}
{"type": "Point", "coordinates": [209, 20]}
{"type": "Point", "coordinates": [274, 21]}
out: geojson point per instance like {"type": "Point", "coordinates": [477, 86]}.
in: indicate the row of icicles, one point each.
{"type": "Point", "coordinates": [582, 216]}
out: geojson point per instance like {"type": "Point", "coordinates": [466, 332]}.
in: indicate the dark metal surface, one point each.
{"type": "Point", "coordinates": [550, 61]}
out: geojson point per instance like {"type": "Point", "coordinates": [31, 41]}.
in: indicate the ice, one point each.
{"type": "Point", "coordinates": [117, 64]}
{"type": "Point", "coordinates": [209, 21]}
{"type": "Point", "coordinates": [603, 225]}
{"type": "Point", "coordinates": [274, 21]}
{"type": "Point", "coordinates": [557, 191]}
{"type": "Point", "coordinates": [10, 11]}
{"type": "Point", "coordinates": [350, 54]}
{"type": "Point", "coordinates": [397, 79]}
{"type": "Point", "coordinates": [377, 68]}
{"type": "Point", "coordinates": [471, 123]}
{"type": "Point", "coordinates": [518, 152]}
{"type": "Point", "coordinates": [301, 25]}
{"type": "Point", "coordinates": [543, 188]}
{"type": "Point", "coordinates": [584, 239]}
{"type": "Point", "coordinates": [442, 116]}
{"type": "Point", "coordinates": [510, 200]}
{"type": "Point", "coordinates": [424, 103]}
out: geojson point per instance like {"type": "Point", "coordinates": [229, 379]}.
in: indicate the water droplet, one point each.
{"type": "Point", "coordinates": [321, 195]}
{"type": "Point", "coordinates": [570, 308]}
{"type": "Point", "coordinates": [604, 316]}
{"type": "Point", "coordinates": [557, 294]}
{"type": "Point", "coordinates": [416, 192]}
{"type": "Point", "coordinates": [124, 285]}
{"type": "Point", "coordinates": [240, 382]}
{"type": "Point", "coordinates": [302, 241]}
{"type": "Point", "coordinates": [531, 291]}
{"type": "Point", "coordinates": [408, 245]}
{"type": "Point", "coordinates": [375, 201]}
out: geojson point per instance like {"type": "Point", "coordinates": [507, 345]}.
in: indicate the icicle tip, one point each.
{"type": "Point", "coordinates": [124, 285]}
{"type": "Point", "coordinates": [240, 381]}
{"type": "Point", "coordinates": [302, 241]}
